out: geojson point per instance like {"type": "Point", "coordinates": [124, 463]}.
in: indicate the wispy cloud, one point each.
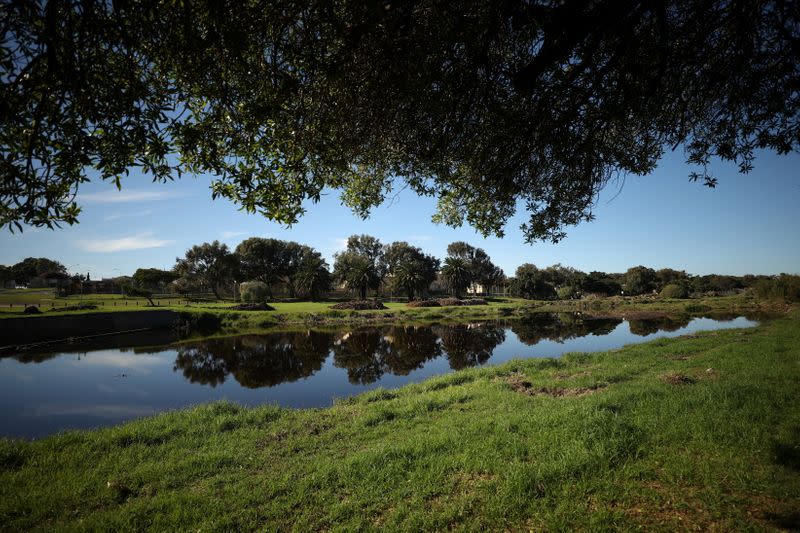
{"type": "Point", "coordinates": [129, 215]}
{"type": "Point", "coordinates": [420, 238]}
{"type": "Point", "coordinates": [118, 197]}
{"type": "Point", "coordinates": [232, 234]}
{"type": "Point", "coordinates": [141, 241]}
{"type": "Point", "coordinates": [339, 243]}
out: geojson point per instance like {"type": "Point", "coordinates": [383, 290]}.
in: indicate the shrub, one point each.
{"type": "Point", "coordinates": [261, 306]}
{"type": "Point", "coordinates": [423, 303]}
{"type": "Point", "coordinates": [360, 305]}
{"type": "Point", "coordinates": [784, 287]}
{"type": "Point", "coordinates": [451, 301]}
{"type": "Point", "coordinates": [254, 291]}
{"type": "Point", "coordinates": [673, 290]}
{"type": "Point", "coordinates": [567, 292]}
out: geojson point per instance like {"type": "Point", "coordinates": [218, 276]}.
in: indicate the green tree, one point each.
{"type": "Point", "coordinates": [313, 277]}
{"type": "Point", "coordinates": [482, 270]}
{"type": "Point", "coordinates": [211, 263]}
{"type": "Point", "coordinates": [6, 273]}
{"type": "Point", "coordinates": [456, 274]}
{"type": "Point", "coordinates": [253, 291]}
{"type": "Point", "coordinates": [639, 280]}
{"type": "Point", "coordinates": [492, 104]}
{"type": "Point", "coordinates": [412, 270]}
{"type": "Point", "coordinates": [154, 278]}
{"type": "Point", "coordinates": [669, 276]}
{"type": "Point", "coordinates": [597, 282]}
{"type": "Point", "coordinates": [261, 260]}
{"type": "Point", "coordinates": [531, 283]}
{"type": "Point", "coordinates": [139, 292]}
{"type": "Point", "coordinates": [362, 265]}
{"type": "Point", "coordinates": [560, 275]}
{"type": "Point", "coordinates": [30, 267]}
{"type": "Point", "coordinates": [356, 271]}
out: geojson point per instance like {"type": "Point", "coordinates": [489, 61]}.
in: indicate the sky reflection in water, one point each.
{"type": "Point", "coordinates": [43, 393]}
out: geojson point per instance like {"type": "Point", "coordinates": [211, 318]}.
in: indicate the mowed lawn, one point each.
{"type": "Point", "coordinates": [701, 431]}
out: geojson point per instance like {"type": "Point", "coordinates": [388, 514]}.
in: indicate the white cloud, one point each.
{"type": "Point", "coordinates": [134, 242]}
{"type": "Point", "coordinates": [420, 238]}
{"type": "Point", "coordinates": [339, 243]}
{"type": "Point", "coordinates": [117, 197]}
{"type": "Point", "coordinates": [128, 215]}
{"type": "Point", "coordinates": [232, 234]}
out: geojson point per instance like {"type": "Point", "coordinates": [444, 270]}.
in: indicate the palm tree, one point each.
{"type": "Point", "coordinates": [411, 277]}
{"type": "Point", "coordinates": [313, 277]}
{"type": "Point", "coordinates": [457, 275]}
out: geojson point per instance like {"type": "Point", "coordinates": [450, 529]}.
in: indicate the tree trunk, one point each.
{"type": "Point", "coordinates": [363, 291]}
{"type": "Point", "coordinates": [215, 290]}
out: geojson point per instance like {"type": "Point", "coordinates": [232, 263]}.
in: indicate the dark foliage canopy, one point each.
{"type": "Point", "coordinates": [485, 105]}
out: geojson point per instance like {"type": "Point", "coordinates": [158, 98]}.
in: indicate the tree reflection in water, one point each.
{"type": "Point", "coordinates": [255, 360]}
{"type": "Point", "coordinates": [368, 353]}
{"type": "Point", "coordinates": [644, 327]}
{"type": "Point", "coordinates": [559, 327]}
{"type": "Point", "coordinates": [470, 344]}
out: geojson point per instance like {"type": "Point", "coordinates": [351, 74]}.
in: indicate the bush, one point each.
{"type": "Point", "coordinates": [360, 305]}
{"type": "Point", "coordinates": [674, 291]}
{"type": "Point", "coordinates": [784, 287]}
{"type": "Point", "coordinates": [254, 291]}
{"type": "Point", "coordinates": [253, 307]}
{"type": "Point", "coordinates": [423, 303]}
{"type": "Point", "coordinates": [567, 292]}
{"type": "Point", "coordinates": [451, 301]}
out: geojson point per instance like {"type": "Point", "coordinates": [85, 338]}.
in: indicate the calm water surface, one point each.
{"type": "Point", "coordinates": [91, 385]}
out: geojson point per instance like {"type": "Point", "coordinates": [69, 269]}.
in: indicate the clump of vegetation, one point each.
{"type": "Point", "coordinates": [567, 292]}
{"type": "Point", "coordinates": [360, 305]}
{"type": "Point", "coordinates": [531, 283]}
{"type": "Point", "coordinates": [451, 301]}
{"type": "Point", "coordinates": [260, 306]}
{"type": "Point", "coordinates": [81, 307]}
{"type": "Point", "coordinates": [254, 291]}
{"type": "Point", "coordinates": [784, 287]}
{"type": "Point", "coordinates": [673, 290]}
{"type": "Point", "coordinates": [424, 303]}
{"type": "Point", "coordinates": [32, 310]}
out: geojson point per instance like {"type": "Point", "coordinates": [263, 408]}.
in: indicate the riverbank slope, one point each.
{"type": "Point", "coordinates": [700, 431]}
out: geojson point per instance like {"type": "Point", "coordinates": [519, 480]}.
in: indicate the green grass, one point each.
{"type": "Point", "coordinates": [317, 313]}
{"type": "Point", "coordinates": [701, 432]}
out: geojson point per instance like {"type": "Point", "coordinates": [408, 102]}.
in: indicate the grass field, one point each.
{"type": "Point", "coordinates": [698, 432]}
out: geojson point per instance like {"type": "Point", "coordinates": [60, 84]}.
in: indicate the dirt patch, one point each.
{"type": "Point", "coordinates": [253, 307]}
{"type": "Point", "coordinates": [520, 384]}
{"type": "Point", "coordinates": [676, 378]}
{"type": "Point", "coordinates": [360, 305]}
{"type": "Point", "coordinates": [679, 357]}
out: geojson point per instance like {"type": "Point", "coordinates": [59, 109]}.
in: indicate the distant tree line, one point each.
{"type": "Point", "coordinates": [261, 268]}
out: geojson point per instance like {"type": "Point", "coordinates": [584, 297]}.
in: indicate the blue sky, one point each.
{"type": "Point", "coordinates": [748, 224]}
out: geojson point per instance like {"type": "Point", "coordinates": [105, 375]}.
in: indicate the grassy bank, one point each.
{"type": "Point", "coordinates": [319, 313]}
{"type": "Point", "coordinates": [695, 432]}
